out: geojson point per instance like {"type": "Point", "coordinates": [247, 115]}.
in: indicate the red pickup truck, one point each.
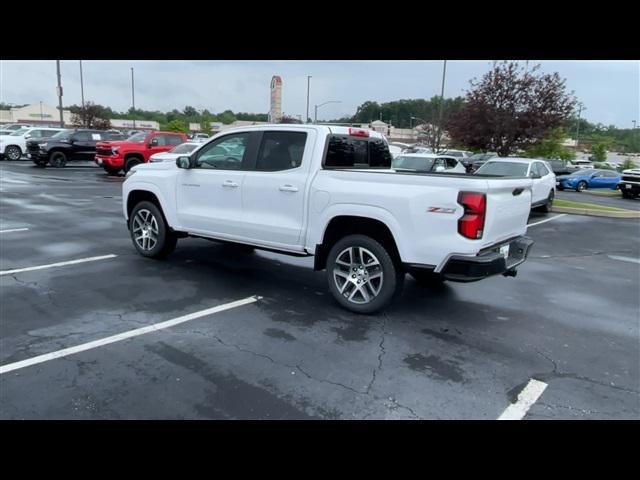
{"type": "Point", "coordinates": [115, 156]}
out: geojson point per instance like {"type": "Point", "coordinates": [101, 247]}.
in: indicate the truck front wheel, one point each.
{"type": "Point", "coordinates": [362, 276]}
{"type": "Point", "coordinates": [149, 232]}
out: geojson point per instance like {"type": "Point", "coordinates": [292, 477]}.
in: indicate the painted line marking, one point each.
{"type": "Point", "coordinates": [624, 259]}
{"type": "Point", "coordinates": [125, 335]}
{"type": "Point", "coordinates": [547, 220]}
{"type": "Point", "coordinates": [526, 398]}
{"type": "Point", "coordinates": [14, 230]}
{"type": "Point", "coordinates": [59, 264]}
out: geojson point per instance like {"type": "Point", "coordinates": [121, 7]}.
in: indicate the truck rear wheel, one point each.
{"type": "Point", "coordinates": [149, 232]}
{"type": "Point", "coordinates": [362, 276]}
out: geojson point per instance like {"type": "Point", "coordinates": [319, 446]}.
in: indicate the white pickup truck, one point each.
{"type": "Point", "coordinates": [330, 192]}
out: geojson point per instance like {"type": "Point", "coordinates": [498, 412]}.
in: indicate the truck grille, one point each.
{"type": "Point", "coordinates": [629, 178]}
{"type": "Point", "coordinates": [104, 151]}
{"type": "Point", "coordinates": [33, 147]}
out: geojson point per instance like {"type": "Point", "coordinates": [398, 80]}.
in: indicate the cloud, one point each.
{"type": "Point", "coordinates": [609, 89]}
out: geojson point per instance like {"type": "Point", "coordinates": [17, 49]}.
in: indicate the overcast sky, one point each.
{"type": "Point", "coordinates": [609, 89]}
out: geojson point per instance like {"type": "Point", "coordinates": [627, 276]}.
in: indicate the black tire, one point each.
{"type": "Point", "coordinates": [13, 152]}
{"type": "Point", "coordinates": [380, 292]}
{"type": "Point", "coordinates": [546, 208]}
{"type": "Point", "coordinates": [427, 278]}
{"type": "Point", "coordinates": [165, 239]}
{"type": "Point", "coordinates": [112, 171]}
{"type": "Point", "coordinates": [58, 159]}
{"type": "Point", "coordinates": [40, 163]}
{"type": "Point", "coordinates": [581, 186]}
{"type": "Point", "coordinates": [130, 163]}
{"type": "Point", "coordinates": [560, 187]}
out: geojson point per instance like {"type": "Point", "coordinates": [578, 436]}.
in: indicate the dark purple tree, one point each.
{"type": "Point", "coordinates": [511, 108]}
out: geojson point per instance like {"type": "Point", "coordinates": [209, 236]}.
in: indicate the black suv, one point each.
{"type": "Point", "coordinates": [563, 167]}
{"type": "Point", "coordinates": [68, 145]}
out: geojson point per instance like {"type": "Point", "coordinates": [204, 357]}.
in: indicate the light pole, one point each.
{"type": "Point", "coordinates": [306, 120]}
{"type": "Point", "coordinates": [580, 108]}
{"type": "Point", "coordinates": [444, 73]}
{"type": "Point", "coordinates": [41, 115]}
{"type": "Point", "coordinates": [634, 124]}
{"type": "Point", "coordinates": [133, 100]}
{"type": "Point", "coordinates": [59, 92]}
{"type": "Point", "coordinates": [315, 116]}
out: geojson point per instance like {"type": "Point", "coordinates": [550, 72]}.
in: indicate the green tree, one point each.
{"type": "Point", "coordinates": [176, 126]}
{"type": "Point", "coordinates": [599, 152]}
{"type": "Point", "coordinates": [551, 147]}
{"type": "Point", "coordinates": [205, 125]}
{"type": "Point", "coordinates": [227, 117]}
{"type": "Point", "coordinates": [627, 164]}
{"type": "Point", "coordinates": [189, 111]}
{"type": "Point", "coordinates": [91, 116]}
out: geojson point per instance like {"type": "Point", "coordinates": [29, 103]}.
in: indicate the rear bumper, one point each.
{"type": "Point", "coordinates": [488, 262]}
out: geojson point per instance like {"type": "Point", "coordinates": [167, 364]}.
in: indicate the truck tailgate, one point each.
{"type": "Point", "coordinates": [508, 207]}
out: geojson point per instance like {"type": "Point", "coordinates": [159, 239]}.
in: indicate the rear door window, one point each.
{"type": "Point", "coordinates": [347, 152]}
{"type": "Point", "coordinates": [281, 151]}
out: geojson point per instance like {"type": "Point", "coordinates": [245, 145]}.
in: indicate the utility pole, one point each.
{"type": "Point", "coordinates": [580, 108]}
{"type": "Point", "coordinates": [306, 120]}
{"type": "Point", "coordinates": [444, 73]}
{"type": "Point", "coordinates": [82, 92]}
{"type": "Point", "coordinates": [59, 92]}
{"type": "Point", "coordinates": [133, 100]}
{"type": "Point", "coordinates": [41, 115]}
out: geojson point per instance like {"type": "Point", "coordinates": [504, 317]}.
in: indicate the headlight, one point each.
{"type": "Point", "coordinates": [43, 145]}
{"type": "Point", "coordinates": [570, 179]}
{"type": "Point", "coordinates": [114, 150]}
{"type": "Point", "coordinates": [129, 173]}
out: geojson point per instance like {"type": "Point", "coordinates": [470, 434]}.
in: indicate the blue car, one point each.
{"type": "Point", "coordinates": [589, 178]}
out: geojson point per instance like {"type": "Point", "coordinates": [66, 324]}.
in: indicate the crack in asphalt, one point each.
{"type": "Point", "coordinates": [381, 354]}
{"type": "Point", "coordinates": [593, 254]}
{"type": "Point", "coordinates": [581, 410]}
{"type": "Point", "coordinates": [311, 377]}
{"type": "Point", "coordinates": [555, 373]}
{"type": "Point", "coordinates": [46, 290]}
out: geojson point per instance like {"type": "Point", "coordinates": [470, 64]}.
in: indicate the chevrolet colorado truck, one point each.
{"type": "Point", "coordinates": [124, 155]}
{"type": "Point", "coordinates": [329, 192]}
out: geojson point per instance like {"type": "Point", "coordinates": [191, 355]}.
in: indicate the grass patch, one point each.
{"type": "Point", "coordinates": [592, 206]}
{"type": "Point", "coordinates": [605, 193]}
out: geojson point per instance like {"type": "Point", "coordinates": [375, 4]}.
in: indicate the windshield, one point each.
{"type": "Point", "coordinates": [138, 137]}
{"type": "Point", "coordinates": [507, 169]}
{"type": "Point", "coordinates": [413, 163]}
{"type": "Point", "coordinates": [63, 135]}
{"type": "Point", "coordinates": [184, 148]}
{"type": "Point", "coordinates": [19, 132]}
{"type": "Point", "coordinates": [586, 171]}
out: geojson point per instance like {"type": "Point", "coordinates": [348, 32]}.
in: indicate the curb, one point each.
{"type": "Point", "coordinates": [597, 213]}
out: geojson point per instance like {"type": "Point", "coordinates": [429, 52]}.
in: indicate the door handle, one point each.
{"type": "Point", "coordinates": [230, 184]}
{"type": "Point", "coordinates": [288, 188]}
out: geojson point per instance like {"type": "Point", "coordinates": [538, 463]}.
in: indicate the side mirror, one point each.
{"type": "Point", "coordinates": [183, 162]}
{"type": "Point", "coordinates": [153, 142]}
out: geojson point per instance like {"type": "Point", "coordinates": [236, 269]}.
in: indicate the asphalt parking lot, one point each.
{"type": "Point", "coordinates": [570, 320]}
{"type": "Point", "coordinates": [615, 200]}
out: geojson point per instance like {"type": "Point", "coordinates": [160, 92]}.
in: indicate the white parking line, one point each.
{"type": "Point", "coordinates": [125, 335]}
{"type": "Point", "coordinates": [624, 259]}
{"type": "Point", "coordinates": [546, 220]}
{"type": "Point", "coordinates": [59, 264]}
{"type": "Point", "coordinates": [526, 398]}
{"type": "Point", "coordinates": [14, 230]}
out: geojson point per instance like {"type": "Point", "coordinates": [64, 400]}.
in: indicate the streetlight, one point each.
{"type": "Point", "coordinates": [41, 115]}
{"type": "Point", "coordinates": [634, 124]}
{"type": "Point", "coordinates": [133, 100]}
{"type": "Point", "coordinates": [580, 108]}
{"type": "Point", "coordinates": [315, 117]}
{"type": "Point", "coordinates": [306, 120]}
{"type": "Point", "coordinates": [59, 92]}
{"type": "Point", "coordinates": [444, 72]}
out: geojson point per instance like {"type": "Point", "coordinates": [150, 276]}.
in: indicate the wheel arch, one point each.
{"type": "Point", "coordinates": [341, 226]}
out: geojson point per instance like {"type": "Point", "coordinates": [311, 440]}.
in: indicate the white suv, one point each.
{"type": "Point", "coordinates": [543, 188]}
{"type": "Point", "coordinates": [14, 145]}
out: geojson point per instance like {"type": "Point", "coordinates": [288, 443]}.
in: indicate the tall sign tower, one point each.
{"type": "Point", "coordinates": [275, 112]}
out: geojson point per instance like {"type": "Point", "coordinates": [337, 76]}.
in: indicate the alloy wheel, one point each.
{"type": "Point", "coordinates": [358, 275]}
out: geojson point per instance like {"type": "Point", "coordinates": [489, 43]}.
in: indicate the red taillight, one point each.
{"type": "Point", "coordinates": [471, 224]}
{"type": "Point", "coordinates": [358, 132]}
